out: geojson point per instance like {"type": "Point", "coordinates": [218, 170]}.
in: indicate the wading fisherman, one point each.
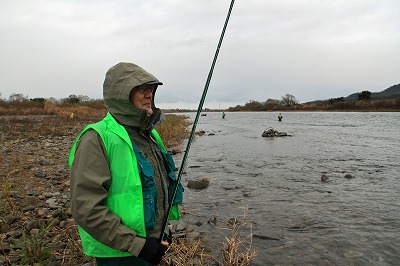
{"type": "Point", "coordinates": [223, 115]}
{"type": "Point", "coordinates": [280, 117]}
{"type": "Point", "coordinates": [121, 174]}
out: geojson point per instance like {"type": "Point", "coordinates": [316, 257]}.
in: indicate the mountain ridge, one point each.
{"type": "Point", "coordinates": [389, 92]}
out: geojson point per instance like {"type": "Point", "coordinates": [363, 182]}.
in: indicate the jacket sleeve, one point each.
{"type": "Point", "coordinates": [90, 181]}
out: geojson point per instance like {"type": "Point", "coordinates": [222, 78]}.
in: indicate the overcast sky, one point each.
{"type": "Point", "coordinates": [312, 49]}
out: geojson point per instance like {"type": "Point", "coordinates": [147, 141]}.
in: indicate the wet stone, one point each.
{"type": "Point", "coordinates": [181, 226]}
{"type": "Point", "coordinates": [194, 235]}
{"type": "Point", "coordinates": [198, 183]}
{"type": "Point", "coordinates": [41, 212]}
{"type": "Point", "coordinates": [199, 223]}
{"type": "Point", "coordinates": [40, 174]}
{"type": "Point", "coordinates": [28, 208]}
{"type": "Point", "coordinates": [51, 194]}
{"type": "Point", "coordinates": [63, 224]}
{"type": "Point", "coordinates": [61, 171]}
{"type": "Point", "coordinates": [51, 201]}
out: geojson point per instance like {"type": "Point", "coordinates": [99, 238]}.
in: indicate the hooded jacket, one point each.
{"type": "Point", "coordinates": [90, 170]}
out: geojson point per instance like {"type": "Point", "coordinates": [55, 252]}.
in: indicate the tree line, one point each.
{"type": "Point", "coordinates": [19, 97]}
{"type": "Point", "coordinates": [364, 102]}
{"type": "Point", "coordinates": [20, 100]}
{"type": "Point", "coordinates": [287, 101]}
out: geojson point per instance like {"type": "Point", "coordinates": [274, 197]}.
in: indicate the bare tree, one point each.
{"type": "Point", "coordinates": [289, 100]}
{"type": "Point", "coordinates": [272, 103]}
{"type": "Point", "coordinates": [83, 98]}
{"type": "Point", "coordinates": [18, 97]}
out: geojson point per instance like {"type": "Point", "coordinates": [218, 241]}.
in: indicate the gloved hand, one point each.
{"type": "Point", "coordinates": [152, 251]}
{"type": "Point", "coordinates": [168, 236]}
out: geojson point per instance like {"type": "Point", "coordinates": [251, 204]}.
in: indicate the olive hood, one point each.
{"type": "Point", "coordinates": [120, 80]}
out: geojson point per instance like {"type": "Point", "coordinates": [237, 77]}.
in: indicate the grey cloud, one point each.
{"type": "Point", "coordinates": [311, 49]}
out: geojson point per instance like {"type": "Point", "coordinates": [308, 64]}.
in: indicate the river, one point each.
{"type": "Point", "coordinates": [296, 218]}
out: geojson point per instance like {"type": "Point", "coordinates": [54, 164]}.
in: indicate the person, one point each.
{"type": "Point", "coordinates": [280, 117]}
{"type": "Point", "coordinates": [122, 178]}
{"type": "Point", "coordinates": [223, 115]}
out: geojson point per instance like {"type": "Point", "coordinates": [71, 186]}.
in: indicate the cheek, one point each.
{"type": "Point", "coordinates": [135, 102]}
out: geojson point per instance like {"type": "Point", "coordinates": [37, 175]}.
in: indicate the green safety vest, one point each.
{"type": "Point", "coordinates": [125, 196]}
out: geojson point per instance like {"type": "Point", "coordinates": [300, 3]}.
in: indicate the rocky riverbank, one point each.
{"type": "Point", "coordinates": [36, 225]}
{"type": "Point", "coordinates": [36, 222]}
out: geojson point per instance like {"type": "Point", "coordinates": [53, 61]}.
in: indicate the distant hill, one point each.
{"type": "Point", "coordinates": [389, 92]}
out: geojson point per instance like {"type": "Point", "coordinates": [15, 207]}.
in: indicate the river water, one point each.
{"type": "Point", "coordinates": [296, 218]}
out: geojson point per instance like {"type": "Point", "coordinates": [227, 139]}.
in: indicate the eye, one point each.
{"type": "Point", "coordinates": [146, 87]}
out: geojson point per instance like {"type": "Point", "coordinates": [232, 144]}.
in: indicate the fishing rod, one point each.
{"type": "Point", "coordinates": [203, 97]}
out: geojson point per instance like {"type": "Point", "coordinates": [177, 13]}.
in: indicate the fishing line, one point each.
{"type": "Point", "coordinates": [199, 109]}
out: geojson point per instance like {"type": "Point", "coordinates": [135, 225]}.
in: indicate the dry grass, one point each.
{"type": "Point", "coordinates": [237, 248]}
{"type": "Point", "coordinates": [89, 109]}
{"type": "Point", "coordinates": [186, 251]}
{"type": "Point", "coordinates": [174, 129]}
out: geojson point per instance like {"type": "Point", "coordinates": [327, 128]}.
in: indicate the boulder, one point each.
{"type": "Point", "coordinates": [198, 183]}
{"type": "Point", "coordinates": [270, 132]}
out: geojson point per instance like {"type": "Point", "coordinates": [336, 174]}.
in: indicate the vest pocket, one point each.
{"type": "Point", "coordinates": [149, 193]}
{"type": "Point", "coordinates": [149, 189]}
{"type": "Point", "coordinates": [149, 209]}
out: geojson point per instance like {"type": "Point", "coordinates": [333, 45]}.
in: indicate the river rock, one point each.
{"type": "Point", "coordinates": [61, 172]}
{"type": "Point", "coordinates": [40, 174]}
{"type": "Point", "coordinates": [270, 132]}
{"type": "Point", "coordinates": [51, 202]}
{"type": "Point", "coordinates": [198, 183]}
{"type": "Point", "coordinates": [51, 194]}
{"type": "Point", "coordinates": [176, 151]}
{"type": "Point", "coordinates": [181, 226]}
{"type": "Point", "coordinates": [68, 212]}
{"type": "Point", "coordinates": [28, 208]}
{"type": "Point", "coordinates": [36, 224]}
{"type": "Point", "coordinates": [63, 224]}
{"type": "Point", "coordinates": [193, 235]}
{"type": "Point", "coordinates": [212, 220]}
{"type": "Point", "coordinates": [324, 178]}
{"type": "Point", "coordinates": [41, 212]}
{"type": "Point", "coordinates": [60, 214]}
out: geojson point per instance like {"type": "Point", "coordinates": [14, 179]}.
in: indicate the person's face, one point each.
{"type": "Point", "coordinates": [141, 97]}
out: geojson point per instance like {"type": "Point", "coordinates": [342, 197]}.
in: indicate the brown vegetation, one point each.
{"type": "Point", "coordinates": [94, 109]}
{"type": "Point", "coordinates": [174, 130]}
